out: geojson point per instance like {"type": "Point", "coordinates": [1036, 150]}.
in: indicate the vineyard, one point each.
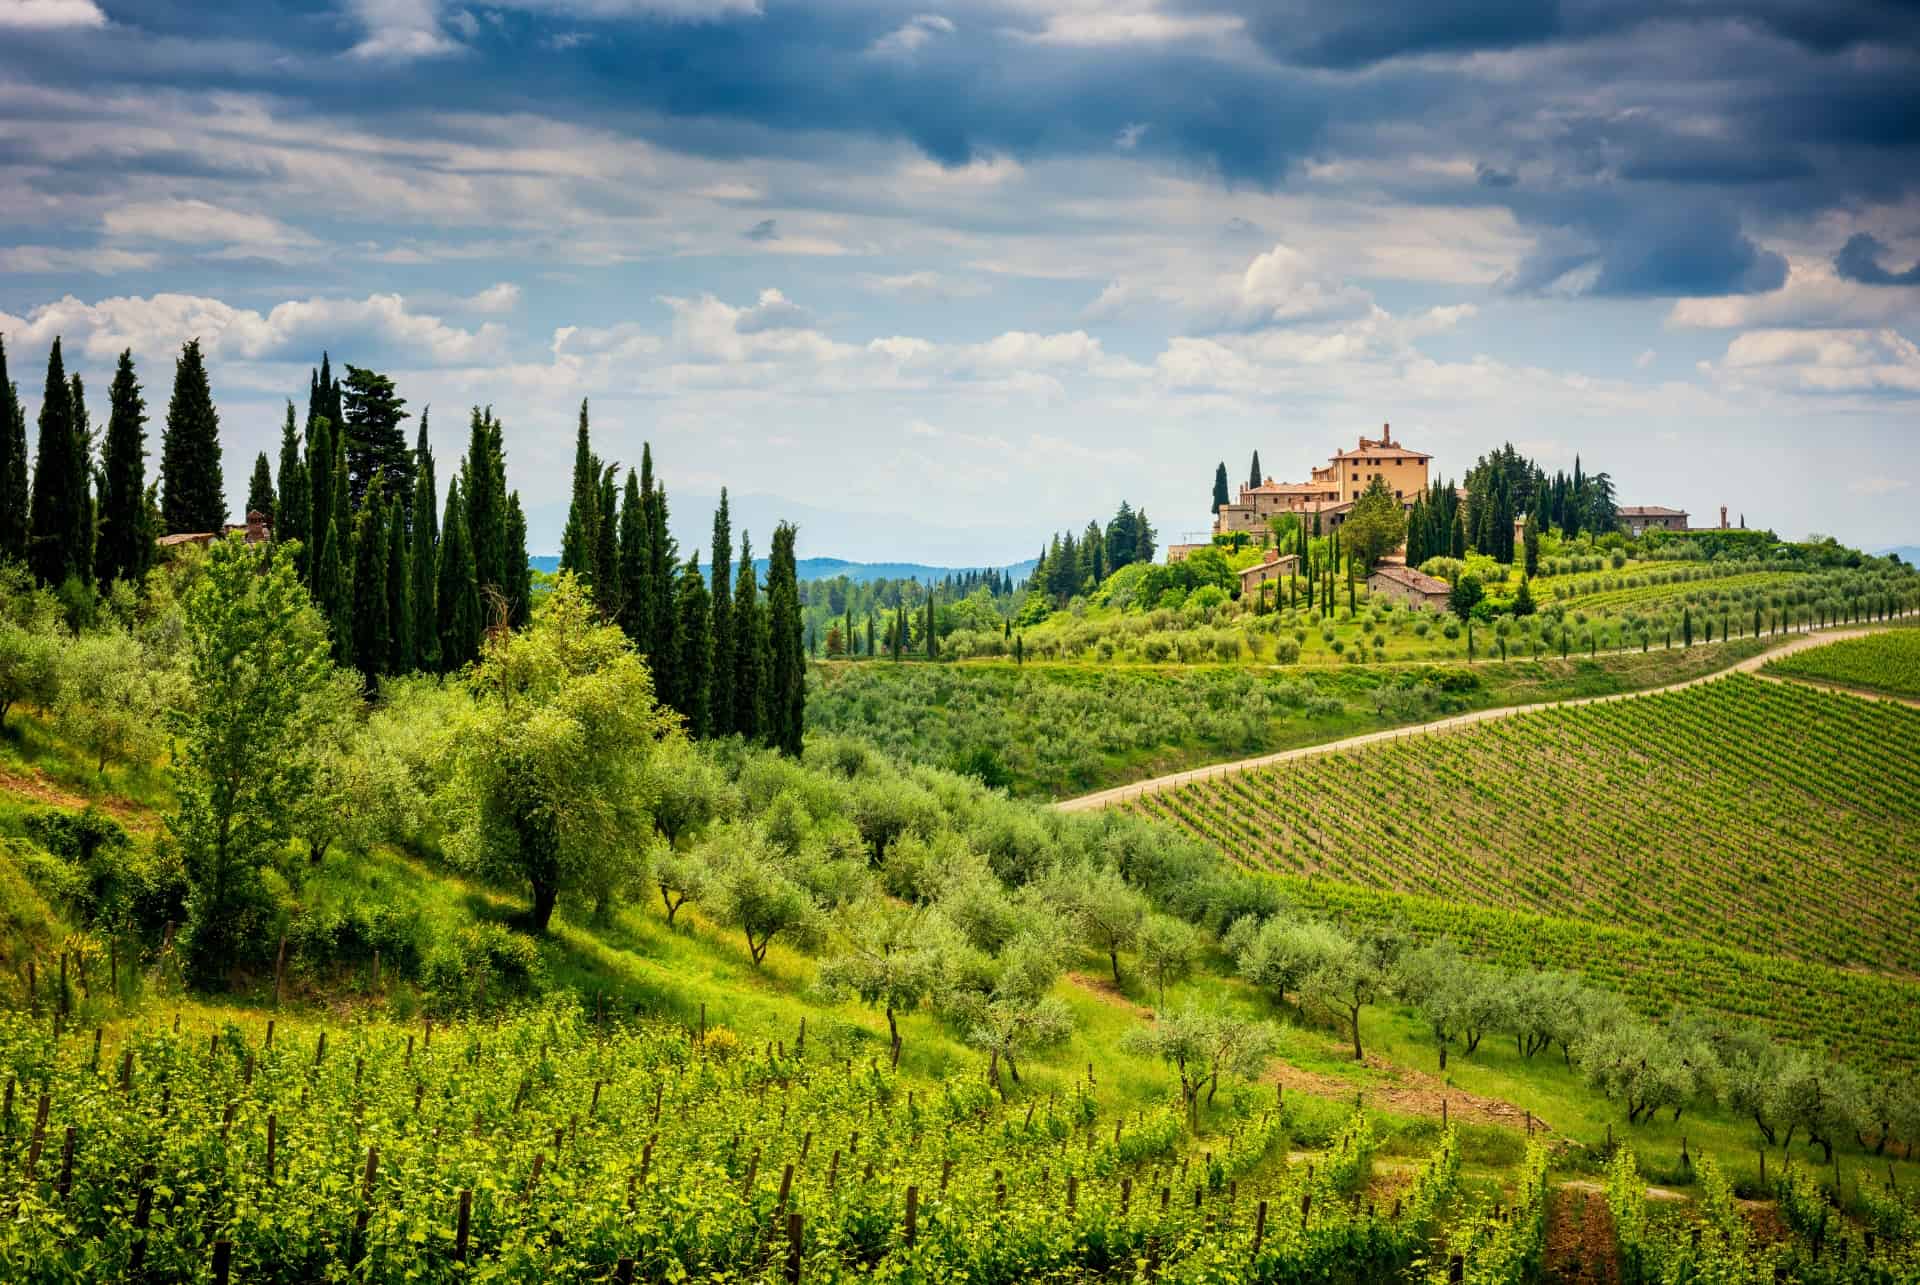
{"type": "Point", "coordinates": [556, 1146]}
{"type": "Point", "coordinates": [1658, 824]}
{"type": "Point", "coordinates": [1883, 662]}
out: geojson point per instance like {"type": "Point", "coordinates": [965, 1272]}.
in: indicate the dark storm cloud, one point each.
{"type": "Point", "coordinates": [1637, 138]}
{"type": "Point", "coordinates": [1859, 260]}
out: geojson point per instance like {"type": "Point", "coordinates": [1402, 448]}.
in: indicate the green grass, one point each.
{"type": "Point", "coordinates": [1887, 662]}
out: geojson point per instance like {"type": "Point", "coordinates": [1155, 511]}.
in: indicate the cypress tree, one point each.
{"type": "Point", "coordinates": [56, 491]}
{"type": "Point", "coordinates": [1253, 478]}
{"type": "Point", "coordinates": [786, 662]}
{"type": "Point", "coordinates": [634, 560]}
{"type": "Point", "coordinates": [750, 648]}
{"type": "Point", "coordinates": [372, 636]}
{"type": "Point", "coordinates": [84, 511]}
{"type": "Point", "coordinates": [423, 558]}
{"type": "Point", "coordinates": [694, 668]}
{"type": "Point", "coordinates": [15, 498]}
{"type": "Point", "coordinates": [457, 593]}
{"type": "Point", "coordinates": [260, 497]}
{"type": "Point", "coordinates": [869, 637]}
{"type": "Point", "coordinates": [606, 542]}
{"type": "Point", "coordinates": [192, 493]}
{"type": "Point", "coordinates": [1143, 537]}
{"type": "Point", "coordinates": [665, 555]}
{"type": "Point", "coordinates": [580, 539]}
{"type": "Point", "coordinates": [933, 634]}
{"type": "Point", "coordinates": [720, 693]}
{"type": "Point", "coordinates": [1220, 495]}
{"type": "Point", "coordinates": [517, 584]}
{"type": "Point", "coordinates": [294, 520]}
{"type": "Point", "coordinates": [332, 591]}
{"type": "Point", "coordinates": [125, 547]}
{"type": "Point", "coordinates": [319, 492]}
{"type": "Point", "coordinates": [400, 652]}
{"type": "Point", "coordinates": [484, 490]}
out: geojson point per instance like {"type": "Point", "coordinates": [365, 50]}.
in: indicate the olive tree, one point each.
{"type": "Point", "coordinates": [1167, 948]}
{"type": "Point", "coordinates": [548, 784]}
{"type": "Point", "coordinates": [1104, 907]}
{"type": "Point", "coordinates": [113, 698]}
{"type": "Point", "coordinates": [1639, 1065]}
{"type": "Point", "coordinates": [763, 889]}
{"type": "Point", "coordinates": [890, 957]}
{"type": "Point", "coordinates": [1201, 1045]}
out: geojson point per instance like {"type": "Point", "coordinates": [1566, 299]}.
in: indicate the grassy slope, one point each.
{"type": "Point", "coordinates": [637, 960]}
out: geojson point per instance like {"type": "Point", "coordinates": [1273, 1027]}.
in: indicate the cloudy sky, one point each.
{"type": "Point", "coordinates": [941, 277]}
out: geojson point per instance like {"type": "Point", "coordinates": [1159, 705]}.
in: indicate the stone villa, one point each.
{"type": "Point", "coordinates": [1404, 584]}
{"type": "Point", "coordinates": [257, 530]}
{"type": "Point", "coordinates": [1331, 491]}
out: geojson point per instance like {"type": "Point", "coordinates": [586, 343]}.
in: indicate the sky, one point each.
{"type": "Point", "coordinates": [937, 279]}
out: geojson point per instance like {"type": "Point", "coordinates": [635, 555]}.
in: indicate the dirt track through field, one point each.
{"type": "Point", "coordinates": [1120, 793]}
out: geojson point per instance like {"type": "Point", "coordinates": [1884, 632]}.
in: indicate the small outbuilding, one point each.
{"type": "Point", "coordinates": [1278, 566]}
{"type": "Point", "coordinates": [1404, 584]}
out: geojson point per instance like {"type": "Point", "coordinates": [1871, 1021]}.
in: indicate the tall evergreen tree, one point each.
{"type": "Point", "coordinates": [580, 539]}
{"type": "Point", "coordinates": [400, 651]}
{"type": "Point", "coordinates": [260, 496]}
{"type": "Point", "coordinates": [483, 486]}
{"type": "Point", "coordinates": [57, 490]}
{"type": "Point", "coordinates": [457, 593]}
{"type": "Point", "coordinates": [376, 444]}
{"type": "Point", "coordinates": [15, 497]}
{"type": "Point", "coordinates": [1143, 537]}
{"type": "Point", "coordinates": [423, 558]}
{"type": "Point", "coordinates": [372, 636]}
{"type": "Point", "coordinates": [664, 553]}
{"type": "Point", "coordinates": [1253, 477]}
{"type": "Point", "coordinates": [333, 591]}
{"type": "Point", "coordinates": [517, 585]}
{"type": "Point", "coordinates": [294, 520]}
{"type": "Point", "coordinates": [125, 547]}
{"type": "Point", "coordinates": [694, 667]}
{"type": "Point", "coordinates": [720, 694]}
{"type": "Point", "coordinates": [748, 694]}
{"type": "Point", "coordinates": [635, 603]}
{"type": "Point", "coordinates": [932, 632]}
{"type": "Point", "coordinates": [786, 658]}
{"type": "Point", "coordinates": [192, 491]}
{"type": "Point", "coordinates": [85, 518]}
{"type": "Point", "coordinates": [1220, 495]}
{"type": "Point", "coordinates": [319, 493]}
{"type": "Point", "coordinates": [606, 541]}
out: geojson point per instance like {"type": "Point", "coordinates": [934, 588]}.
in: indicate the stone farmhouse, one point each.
{"type": "Point", "coordinates": [1330, 492]}
{"type": "Point", "coordinates": [1277, 567]}
{"type": "Point", "coordinates": [1641, 518]}
{"type": "Point", "coordinates": [257, 530]}
{"type": "Point", "coordinates": [1404, 584]}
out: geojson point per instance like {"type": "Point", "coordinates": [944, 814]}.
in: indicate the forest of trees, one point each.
{"type": "Point", "coordinates": [1076, 563]}
{"type": "Point", "coordinates": [406, 582]}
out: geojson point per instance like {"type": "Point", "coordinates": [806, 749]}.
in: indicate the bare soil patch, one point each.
{"type": "Point", "coordinates": [1580, 1248]}
{"type": "Point", "coordinates": [1109, 993]}
{"type": "Point", "coordinates": [1406, 1091]}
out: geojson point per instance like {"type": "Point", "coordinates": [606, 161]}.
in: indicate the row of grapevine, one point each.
{"type": "Point", "coordinates": [545, 1147]}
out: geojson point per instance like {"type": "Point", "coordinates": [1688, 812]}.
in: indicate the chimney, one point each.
{"type": "Point", "coordinates": [1386, 435]}
{"type": "Point", "coordinates": [1723, 517]}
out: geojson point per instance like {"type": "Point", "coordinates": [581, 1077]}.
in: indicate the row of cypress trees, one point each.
{"type": "Point", "coordinates": [87, 525]}
{"type": "Point", "coordinates": [727, 661]}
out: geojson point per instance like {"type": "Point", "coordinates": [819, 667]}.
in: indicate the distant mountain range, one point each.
{"type": "Point", "coordinates": [828, 568]}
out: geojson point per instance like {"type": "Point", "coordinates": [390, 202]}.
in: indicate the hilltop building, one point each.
{"type": "Point", "coordinates": [1404, 584]}
{"type": "Point", "coordinates": [1331, 490]}
{"type": "Point", "coordinates": [256, 529]}
{"type": "Point", "coordinates": [1640, 518]}
{"type": "Point", "coordinates": [1277, 567]}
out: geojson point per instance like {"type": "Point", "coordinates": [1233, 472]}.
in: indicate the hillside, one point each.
{"type": "Point", "coordinates": [829, 568]}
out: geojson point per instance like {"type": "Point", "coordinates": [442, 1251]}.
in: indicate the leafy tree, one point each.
{"type": "Point", "coordinates": [763, 889]}
{"type": "Point", "coordinates": [256, 656]}
{"type": "Point", "coordinates": [1465, 596]}
{"type": "Point", "coordinates": [786, 669]}
{"type": "Point", "coordinates": [1636, 1063]}
{"type": "Point", "coordinates": [1750, 1066]}
{"type": "Point", "coordinates": [1342, 976]}
{"type": "Point", "coordinates": [260, 497]}
{"type": "Point", "coordinates": [30, 643]}
{"type": "Point", "coordinates": [124, 550]}
{"type": "Point", "coordinates": [1376, 527]}
{"type": "Point", "coordinates": [1820, 1098]}
{"type": "Point", "coordinates": [193, 495]}
{"type": "Point", "coordinates": [890, 958]}
{"type": "Point", "coordinates": [1002, 1003]}
{"type": "Point", "coordinates": [457, 591]}
{"type": "Point", "coordinates": [375, 442]}
{"type": "Point", "coordinates": [1202, 1045]}
{"type": "Point", "coordinates": [59, 482]}
{"type": "Point", "coordinates": [113, 698]}
{"type": "Point", "coordinates": [552, 753]}
{"type": "Point", "coordinates": [1168, 947]}
{"type": "Point", "coordinates": [1106, 910]}
{"type": "Point", "coordinates": [15, 495]}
